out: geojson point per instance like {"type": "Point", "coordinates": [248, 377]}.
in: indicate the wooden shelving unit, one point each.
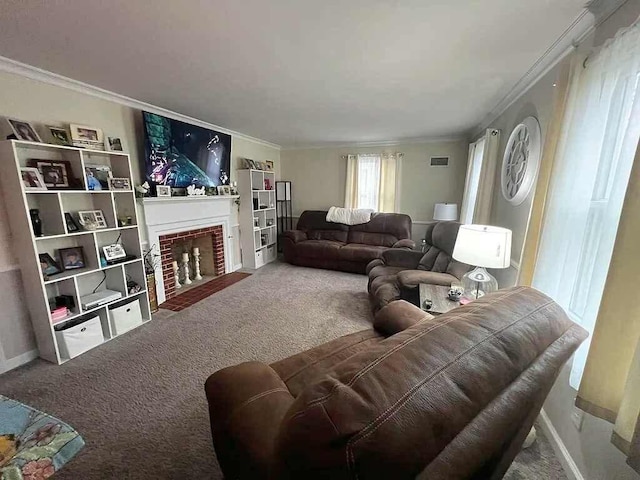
{"type": "Point", "coordinates": [52, 205]}
{"type": "Point", "coordinates": [258, 229]}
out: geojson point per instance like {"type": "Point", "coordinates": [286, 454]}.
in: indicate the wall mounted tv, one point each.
{"type": "Point", "coordinates": [179, 154]}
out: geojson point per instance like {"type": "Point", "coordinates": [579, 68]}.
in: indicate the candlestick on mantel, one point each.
{"type": "Point", "coordinates": [196, 251]}
{"type": "Point", "coordinates": [196, 263]}
{"type": "Point", "coordinates": [176, 276]}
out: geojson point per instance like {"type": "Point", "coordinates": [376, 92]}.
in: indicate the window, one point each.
{"type": "Point", "coordinates": [476, 154]}
{"type": "Point", "coordinates": [590, 178]}
{"type": "Point", "coordinates": [371, 181]}
{"type": "Point", "coordinates": [368, 181]}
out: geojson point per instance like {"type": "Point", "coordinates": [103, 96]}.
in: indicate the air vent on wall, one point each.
{"type": "Point", "coordinates": [439, 161]}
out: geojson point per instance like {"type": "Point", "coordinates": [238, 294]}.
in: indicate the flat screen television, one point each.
{"type": "Point", "coordinates": [178, 154]}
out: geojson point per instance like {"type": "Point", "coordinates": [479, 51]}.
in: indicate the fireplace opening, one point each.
{"type": "Point", "coordinates": [191, 258]}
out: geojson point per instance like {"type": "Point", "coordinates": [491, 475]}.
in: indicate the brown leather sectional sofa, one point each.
{"type": "Point", "coordinates": [450, 397]}
{"type": "Point", "coordinates": [321, 244]}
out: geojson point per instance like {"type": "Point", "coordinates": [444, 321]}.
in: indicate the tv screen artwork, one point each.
{"type": "Point", "coordinates": [178, 154]}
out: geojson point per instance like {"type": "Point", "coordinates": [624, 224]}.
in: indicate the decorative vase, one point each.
{"type": "Point", "coordinates": [151, 290]}
{"type": "Point", "coordinates": [36, 222]}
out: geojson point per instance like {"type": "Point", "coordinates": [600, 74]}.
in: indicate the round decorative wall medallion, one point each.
{"type": "Point", "coordinates": [521, 161]}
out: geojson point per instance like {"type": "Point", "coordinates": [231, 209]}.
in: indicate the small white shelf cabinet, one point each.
{"type": "Point", "coordinates": [258, 230]}
{"type": "Point", "coordinates": [53, 204]}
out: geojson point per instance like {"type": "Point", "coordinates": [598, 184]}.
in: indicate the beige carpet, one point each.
{"type": "Point", "coordinates": [139, 400]}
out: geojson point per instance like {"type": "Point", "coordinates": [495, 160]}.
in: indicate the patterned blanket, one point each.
{"type": "Point", "coordinates": [33, 445]}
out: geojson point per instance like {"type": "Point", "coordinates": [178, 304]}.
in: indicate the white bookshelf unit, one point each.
{"type": "Point", "coordinates": [52, 205]}
{"type": "Point", "coordinates": [258, 234]}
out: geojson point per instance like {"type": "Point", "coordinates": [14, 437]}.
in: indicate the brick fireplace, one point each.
{"type": "Point", "coordinates": [210, 242]}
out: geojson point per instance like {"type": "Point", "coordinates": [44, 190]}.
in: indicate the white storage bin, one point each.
{"type": "Point", "coordinates": [76, 340]}
{"type": "Point", "coordinates": [125, 317]}
{"type": "Point", "coordinates": [271, 253]}
{"type": "Point", "coordinates": [259, 258]}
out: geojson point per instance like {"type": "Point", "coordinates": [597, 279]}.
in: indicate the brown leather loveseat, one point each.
{"type": "Point", "coordinates": [436, 398]}
{"type": "Point", "coordinates": [321, 244]}
{"type": "Point", "coordinates": [398, 273]}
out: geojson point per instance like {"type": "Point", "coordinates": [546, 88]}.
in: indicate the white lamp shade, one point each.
{"type": "Point", "coordinates": [445, 211]}
{"type": "Point", "coordinates": [483, 246]}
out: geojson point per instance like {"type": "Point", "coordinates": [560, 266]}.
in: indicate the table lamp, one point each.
{"type": "Point", "coordinates": [482, 246]}
{"type": "Point", "coordinates": [445, 212]}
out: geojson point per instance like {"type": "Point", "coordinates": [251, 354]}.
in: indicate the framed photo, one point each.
{"type": "Point", "coordinates": [269, 165]}
{"type": "Point", "coordinates": [72, 226]}
{"type": "Point", "coordinates": [87, 137]}
{"type": "Point", "coordinates": [163, 190]}
{"type": "Point", "coordinates": [113, 252]}
{"type": "Point", "coordinates": [32, 179]}
{"type": "Point", "coordinates": [92, 219]}
{"type": "Point", "coordinates": [119, 183]}
{"type": "Point", "coordinates": [48, 265]}
{"type": "Point", "coordinates": [54, 172]}
{"type": "Point", "coordinates": [24, 130]}
{"type": "Point", "coordinates": [114, 144]}
{"type": "Point", "coordinates": [72, 258]}
{"type": "Point", "coordinates": [224, 190]}
{"type": "Point", "coordinates": [98, 176]}
{"type": "Point", "coordinates": [60, 136]}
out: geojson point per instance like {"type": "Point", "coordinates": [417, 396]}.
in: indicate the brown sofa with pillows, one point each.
{"type": "Point", "coordinates": [321, 244]}
{"type": "Point", "coordinates": [447, 397]}
{"type": "Point", "coordinates": [398, 273]}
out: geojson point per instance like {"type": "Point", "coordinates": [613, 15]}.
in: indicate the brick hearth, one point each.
{"type": "Point", "coordinates": [166, 242]}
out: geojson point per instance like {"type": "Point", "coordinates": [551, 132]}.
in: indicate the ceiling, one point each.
{"type": "Point", "coordinates": [296, 72]}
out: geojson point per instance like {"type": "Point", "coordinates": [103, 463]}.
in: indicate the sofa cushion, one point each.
{"type": "Point", "coordinates": [359, 252]}
{"type": "Point", "coordinates": [383, 229]}
{"type": "Point", "coordinates": [413, 278]}
{"type": "Point", "coordinates": [314, 223]}
{"type": "Point", "coordinates": [383, 271]}
{"type": "Point", "coordinates": [326, 249]}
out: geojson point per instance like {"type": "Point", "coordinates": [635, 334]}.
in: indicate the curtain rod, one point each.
{"type": "Point", "coordinates": [399, 154]}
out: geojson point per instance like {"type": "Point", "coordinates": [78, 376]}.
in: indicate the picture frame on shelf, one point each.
{"type": "Point", "coordinates": [24, 130]}
{"type": "Point", "coordinates": [32, 179]}
{"type": "Point", "coordinates": [48, 265]}
{"type": "Point", "coordinates": [59, 136]}
{"type": "Point", "coordinates": [113, 252]}
{"type": "Point", "coordinates": [269, 164]}
{"type": "Point", "coordinates": [224, 190]}
{"type": "Point", "coordinates": [83, 136]}
{"type": "Point", "coordinates": [248, 163]}
{"type": "Point", "coordinates": [92, 219]}
{"type": "Point", "coordinates": [72, 226]}
{"type": "Point", "coordinates": [56, 173]}
{"type": "Point", "coordinates": [163, 190]}
{"type": "Point", "coordinates": [119, 183]}
{"type": "Point", "coordinates": [72, 258]}
{"type": "Point", "coordinates": [98, 176]}
{"type": "Point", "coordinates": [114, 144]}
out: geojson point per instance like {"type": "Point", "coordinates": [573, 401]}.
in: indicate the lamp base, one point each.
{"type": "Point", "coordinates": [478, 282]}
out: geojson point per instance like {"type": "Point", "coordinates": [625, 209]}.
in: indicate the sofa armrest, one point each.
{"type": "Point", "coordinates": [398, 316]}
{"type": "Point", "coordinates": [401, 257]}
{"type": "Point", "coordinates": [405, 243]}
{"type": "Point", "coordinates": [247, 403]}
{"type": "Point", "coordinates": [373, 264]}
{"type": "Point", "coordinates": [413, 278]}
{"type": "Point", "coordinates": [295, 235]}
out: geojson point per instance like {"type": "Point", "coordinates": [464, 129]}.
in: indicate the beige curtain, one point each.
{"type": "Point", "coordinates": [387, 196]}
{"type": "Point", "coordinates": [351, 187]}
{"type": "Point", "coordinates": [610, 386]}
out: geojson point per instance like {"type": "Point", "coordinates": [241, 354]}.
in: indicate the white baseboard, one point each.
{"type": "Point", "coordinates": [569, 466]}
{"type": "Point", "coordinates": [15, 362]}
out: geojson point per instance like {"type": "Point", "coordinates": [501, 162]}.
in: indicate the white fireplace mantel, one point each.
{"type": "Point", "coordinates": [166, 215]}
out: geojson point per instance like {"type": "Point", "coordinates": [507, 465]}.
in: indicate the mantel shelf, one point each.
{"type": "Point", "coordinates": [187, 198]}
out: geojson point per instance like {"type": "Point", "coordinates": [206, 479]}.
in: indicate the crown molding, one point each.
{"type": "Point", "coordinates": [583, 25]}
{"type": "Point", "coordinates": [8, 65]}
{"type": "Point", "coordinates": [381, 143]}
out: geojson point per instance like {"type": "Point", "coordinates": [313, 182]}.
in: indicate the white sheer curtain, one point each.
{"type": "Point", "coordinates": [590, 178]}
{"type": "Point", "coordinates": [372, 181]}
{"type": "Point", "coordinates": [481, 172]}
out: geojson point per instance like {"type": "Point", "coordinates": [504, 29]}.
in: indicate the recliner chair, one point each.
{"type": "Point", "coordinates": [447, 397]}
{"type": "Point", "coordinates": [397, 273]}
